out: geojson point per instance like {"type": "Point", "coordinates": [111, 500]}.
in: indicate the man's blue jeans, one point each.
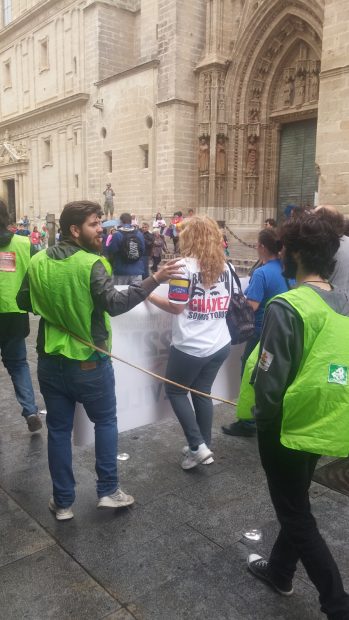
{"type": "Point", "coordinates": [14, 357]}
{"type": "Point", "coordinates": [63, 383]}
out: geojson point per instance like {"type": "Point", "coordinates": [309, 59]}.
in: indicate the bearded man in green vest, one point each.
{"type": "Point", "coordinates": [15, 253]}
{"type": "Point", "coordinates": [71, 287]}
{"type": "Point", "coordinates": [302, 406]}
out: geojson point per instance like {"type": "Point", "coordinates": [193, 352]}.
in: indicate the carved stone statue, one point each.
{"type": "Point", "coordinates": [21, 151]}
{"type": "Point", "coordinates": [220, 155]}
{"type": "Point", "coordinates": [253, 112]}
{"type": "Point", "coordinates": [300, 88]}
{"type": "Point", "coordinates": [288, 90]}
{"type": "Point", "coordinates": [314, 86]}
{"type": "Point", "coordinates": [204, 155]}
{"type": "Point", "coordinates": [252, 156]}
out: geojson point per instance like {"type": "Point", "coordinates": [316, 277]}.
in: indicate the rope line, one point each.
{"type": "Point", "coordinates": [144, 370]}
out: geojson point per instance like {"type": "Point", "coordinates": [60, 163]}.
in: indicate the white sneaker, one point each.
{"type": "Point", "coordinates": [119, 499]}
{"type": "Point", "coordinates": [62, 514]}
{"type": "Point", "coordinates": [195, 458]}
{"type": "Point", "coordinates": [209, 461]}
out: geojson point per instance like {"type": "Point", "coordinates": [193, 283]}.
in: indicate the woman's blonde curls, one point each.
{"type": "Point", "coordinates": [201, 238]}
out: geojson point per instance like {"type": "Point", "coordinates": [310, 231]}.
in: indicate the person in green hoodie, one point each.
{"type": "Point", "coordinates": [301, 407]}
{"type": "Point", "coordinates": [15, 253]}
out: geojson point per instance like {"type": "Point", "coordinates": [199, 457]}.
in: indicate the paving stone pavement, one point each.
{"type": "Point", "coordinates": [179, 553]}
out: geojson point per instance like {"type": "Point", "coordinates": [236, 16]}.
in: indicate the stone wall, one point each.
{"type": "Point", "coordinates": [115, 40]}
{"type": "Point", "coordinates": [333, 121]}
{"type": "Point", "coordinates": [128, 121]}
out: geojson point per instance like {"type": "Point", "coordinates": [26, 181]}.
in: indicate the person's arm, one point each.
{"type": "Point", "coordinates": [178, 295]}
{"type": "Point", "coordinates": [107, 298]}
{"type": "Point", "coordinates": [166, 304]}
{"type": "Point", "coordinates": [255, 291]}
{"type": "Point", "coordinates": [23, 296]}
{"type": "Point", "coordinates": [280, 354]}
{"type": "Point", "coordinates": [254, 304]}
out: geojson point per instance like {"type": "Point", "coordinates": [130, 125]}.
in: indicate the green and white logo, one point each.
{"type": "Point", "coordinates": [338, 374]}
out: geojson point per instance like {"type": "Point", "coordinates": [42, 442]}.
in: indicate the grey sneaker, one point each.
{"type": "Point", "coordinates": [34, 422]}
{"type": "Point", "coordinates": [195, 458]}
{"type": "Point", "coordinates": [259, 567]}
{"type": "Point", "coordinates": [209, 461]}
{"type": "Point", "coordinates": [119, 499]}
{"type": "Point", "coordinates": [62, 514]}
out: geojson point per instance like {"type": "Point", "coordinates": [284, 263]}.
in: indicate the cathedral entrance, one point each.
{"type": "Point", "coordinates": [297, 182]}
{"type": "Point", "coordinates": [11, 199]}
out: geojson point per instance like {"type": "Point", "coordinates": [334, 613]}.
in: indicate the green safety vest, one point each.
{"type": "Point", "coordinates": [60, 293]}
{"type": "Point", "coordinates": [316, 405]}
{"type": "Point", "coordinates": [246, 399]}
{"type": "Point", "coordinates": [14, 262]}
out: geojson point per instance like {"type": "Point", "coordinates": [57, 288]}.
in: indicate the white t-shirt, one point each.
{"type": "Point", "coordinates": [201, 329]}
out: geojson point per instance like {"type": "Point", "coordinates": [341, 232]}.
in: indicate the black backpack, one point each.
{"type": "Point", "coordinates": [131, 248]}
{"type": "Point", "coordinates": [240, 315]}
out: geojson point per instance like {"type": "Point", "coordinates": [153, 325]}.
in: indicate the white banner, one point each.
{"type": "Point", "coordinates": [142, 336]}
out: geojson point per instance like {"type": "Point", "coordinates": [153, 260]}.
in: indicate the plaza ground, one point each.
{"type": "Point", "coordinates": [179, 553]}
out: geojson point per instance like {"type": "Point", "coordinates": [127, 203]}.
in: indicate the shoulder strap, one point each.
{"type": "Point", "coordinates": [235, 277]}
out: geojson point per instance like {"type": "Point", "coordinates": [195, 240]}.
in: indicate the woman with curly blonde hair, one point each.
{"type": "Point", "coordinates": [199, 300]}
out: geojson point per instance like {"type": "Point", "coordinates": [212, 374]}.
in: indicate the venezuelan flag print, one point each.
{"type": "Point", "coordinates": [179, 290]}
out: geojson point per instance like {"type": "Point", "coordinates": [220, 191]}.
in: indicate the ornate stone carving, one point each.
{"type": "Point", "coordinates": [257, 88]}
{"type": "Point", "coordinates": [253, 80]}
{"type": "Point", "coordinates": [203, 193]}
{"type": "Point", "coordinates": [207, 96]}
{"type": "Point", "coordinates": [301, 71]}
{"type": "Point", "coordinates": [220, 192]}
{"type": "Point", "coordinates": [204, 155]}
{"type": "Point", "coordinates": [221, 97]}
{"type": "Point", "coordinates": [221, 155]}
{"type": "Point", "coordinates": [273, 49]}
{"type": "Point", "coordinates": [314, 81]}
{"type": "Point", "coordinates": [252, 156]}
{"type": "Point", "coordinates": [288, 89]}
{"type": "Point", "coordinates": [253, 111]}
{"type": "Point", "coordinates": [12, 154]}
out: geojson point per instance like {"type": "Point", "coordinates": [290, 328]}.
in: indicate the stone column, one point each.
{"type": "Point", "coordinates": [332, 151]}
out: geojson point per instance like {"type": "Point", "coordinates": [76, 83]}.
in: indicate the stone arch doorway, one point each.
{"type": "Point", "coordinates": [274, 84]}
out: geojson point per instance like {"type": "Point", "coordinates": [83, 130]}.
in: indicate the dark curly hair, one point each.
{"type": "Point", "coordinates": [315, 240]}
{"type": "Point", "coordinates": [270, 239]}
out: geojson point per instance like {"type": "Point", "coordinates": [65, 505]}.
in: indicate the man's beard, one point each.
{"type": "Point", "coordinates": [290, 266]}
{"type": "Point", "coordinates": [89, 244]}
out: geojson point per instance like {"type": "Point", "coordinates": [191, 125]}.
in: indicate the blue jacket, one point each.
{"type": "Point", "coordinates": [120, 266]}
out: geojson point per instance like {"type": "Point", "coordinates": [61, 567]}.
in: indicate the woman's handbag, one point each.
{"type": "Point", "coordinates": [240, 315]}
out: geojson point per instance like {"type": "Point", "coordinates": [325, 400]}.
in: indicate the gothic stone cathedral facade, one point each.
{"type": "Point", "coordinates": [232, 107]}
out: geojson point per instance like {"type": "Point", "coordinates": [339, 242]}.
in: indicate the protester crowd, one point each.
{"type": "Point", "coordinates": [293, 318]}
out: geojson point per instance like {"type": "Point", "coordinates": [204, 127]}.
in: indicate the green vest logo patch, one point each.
{"type": "Point", "coordinates": [338, 374]}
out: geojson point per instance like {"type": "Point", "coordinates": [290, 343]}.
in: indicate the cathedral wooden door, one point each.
{"type": "Point", "coordinates": [297, 181]}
